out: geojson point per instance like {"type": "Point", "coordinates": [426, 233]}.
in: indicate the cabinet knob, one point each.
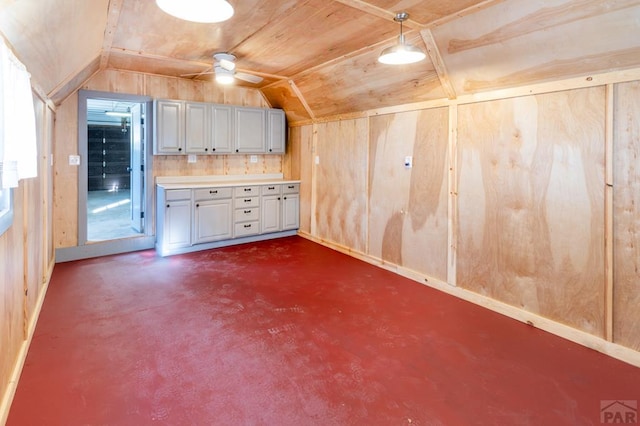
{"type": "Point", "coordinates": [179, 149]}
{"type": "Point", "coordinates": [278, 198]}
{"type": "Point", "coordinates": [213, 149]}
{"type": "Point", "coordinates": [270, 150]}
{"type": "Point", "coordinates": [168, 206]}
{"type": "Point", "coordinates": [206, 149]}
{"type": "Point", "coordinates": [285, 198]}
{"type": "Point", "coordinates": [237, 150]}
{"type": "Point", "coordinates": [197, 205]}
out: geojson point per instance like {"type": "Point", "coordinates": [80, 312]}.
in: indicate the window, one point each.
{"type": "Point", "coordinates": [6, 210]}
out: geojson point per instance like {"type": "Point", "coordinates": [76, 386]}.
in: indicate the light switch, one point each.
{"type": "Point", "coordinates": [317, 159]}
{"type": "Point", "coordinates": [192, 158]}
{"type": "Point", "coordinates": [408, 162]}
{"type": "Point", "coordinates": [253, 159]}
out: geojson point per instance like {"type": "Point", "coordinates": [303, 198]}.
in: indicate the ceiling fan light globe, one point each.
{"type": "Point", "coordinates": [203, 11]}
{"type": "Point", "coordinates": [224, 78]}
{"type": "Point", "coordinates": [401, 54]}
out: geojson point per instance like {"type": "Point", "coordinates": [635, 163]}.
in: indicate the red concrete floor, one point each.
{"type": "Point", "coordinates": [287, 332]}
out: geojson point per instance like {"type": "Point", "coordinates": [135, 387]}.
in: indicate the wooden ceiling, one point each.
{"type": "Point", "coordinates": [319, 57]}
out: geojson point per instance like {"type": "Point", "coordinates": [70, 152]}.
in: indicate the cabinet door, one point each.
{"type": "Point", "coordinates": [290, 211]}
{"type": "Point", "coordinates": [250, 130]}
{"type": "Point", "coordinates": [276, 131]}
{"type": "Point", "coordinates": [177, 224]}
{"type": "Point", "coordinates": [169, 136]}
{"type": "Point", "coordinates": [221, 124]}
{"type": "Point", "coordinates": [212, 221]}
{"type": "Point", "coordinates": [270, 214]}
{"type": "Point", "coordinates": [196, 128]}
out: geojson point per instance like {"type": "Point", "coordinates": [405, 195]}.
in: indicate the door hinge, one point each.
{"type": "Point", "coordinates": [141, 215]}
{"type": "Point", "coordinates": [142, 167]}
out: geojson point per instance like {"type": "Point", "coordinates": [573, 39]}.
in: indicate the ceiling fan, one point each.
{"type": "Point", "coordinates": [224, 68]}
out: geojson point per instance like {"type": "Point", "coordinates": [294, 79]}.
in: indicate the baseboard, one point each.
{"type": "Point", "coordinates": [12, 385]}
{"type": "Point", "coordinates": [599, 344]}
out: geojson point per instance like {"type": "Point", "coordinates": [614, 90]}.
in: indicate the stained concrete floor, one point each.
{"type": "Point", "coordinates": [288, 332]}
{"type": "Point", "coordinates": [109, 215]}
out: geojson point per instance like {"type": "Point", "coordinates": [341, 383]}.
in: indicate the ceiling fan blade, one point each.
{"type": "Point", "coordinates": [248, 77]}
{"type": "Point", "coordinates": [227, 65]}
{"type": "Point", "coordinates": [196, 73]}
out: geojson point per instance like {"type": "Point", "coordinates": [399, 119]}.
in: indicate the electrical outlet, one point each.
{"type": "Point", "coordinates": [192, 158]}
{"type": "Point", "coordinates": [74, 160]}
{"type": "Point", "coordinates": [317, 159]}
{"type": "Point", "coordinates": [253, 159]}
{"type": "Point", "coordinates": [408, 162]}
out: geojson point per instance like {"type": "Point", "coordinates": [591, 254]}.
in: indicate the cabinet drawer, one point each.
{"type": "Point", "coordinates": [212, 193]}
{"type": "Point", "coordinates": [178, 194]}
{"type": "Point", "coordinates": [247, 214]}
{"type": "Point", "coordinates": [271, 189]}
{"type": "Point", "coordinates": [242, 202]}
{"type": "Point", "coordinates": [247, 228]}
{"type": "Point", "coordinates": [291, 188]}
{"type": "Point", "coordinates": [244, 191]}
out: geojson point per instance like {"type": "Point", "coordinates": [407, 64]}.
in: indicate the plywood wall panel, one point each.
{"type": "Point", "coordinates": [65, 194]}
{"type": "Point", "coordinates": [531, 204]}
{"type": "Point", "coordinates": [300, 154]}
{"type": "Point", "coordinates": [626, 200]}
{"type": "Point", "coordinates": [115, 81]}
{"type": "Point", "coordinates": [341, 183]}
{"type": "Point", "coordinates": [12, 317]}
{"type": "Point", "coordinates": [408, 207]}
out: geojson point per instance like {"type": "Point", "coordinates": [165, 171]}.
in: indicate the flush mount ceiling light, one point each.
{"type": "Point", "coordinates": [223, 75]}
{"type": "Point", "coordinates": [401, 53]}
{"type": "Point", "coordinates": [205, 11]}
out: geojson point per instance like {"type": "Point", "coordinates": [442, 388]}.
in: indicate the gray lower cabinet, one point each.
{"type": "Point", "coordinates": [174, 218]}
{"type": "Point", "coordinates": [213, 209]}
{"type": "Point", "coordinates": [192, 219]}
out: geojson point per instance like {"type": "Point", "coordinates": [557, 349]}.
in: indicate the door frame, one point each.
{"type": "Point", "coordinates": [146, 240]}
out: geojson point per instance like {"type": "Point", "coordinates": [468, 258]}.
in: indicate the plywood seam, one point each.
{"type": "Point", "coordinates": [113, 16]}
{"type": "Point", "coordinates": [608, 214]}
{"type": "Point", "coordinates": [452, 228]}
{"type": "Point", "coordinates": [438, 63]}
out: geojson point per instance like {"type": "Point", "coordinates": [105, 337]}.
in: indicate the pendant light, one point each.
{"type": "Point", "coordinates": [204, 11]}
{"type": "Point", "coordinates": [401, 53]}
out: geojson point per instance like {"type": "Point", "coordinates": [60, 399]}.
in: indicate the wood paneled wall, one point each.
{"type": "Point", "coordinates": [27, 259]}
{"type": "Point", "coordinates": [506, 201]}
{"type": "Point", "coordinates": [159, 87]}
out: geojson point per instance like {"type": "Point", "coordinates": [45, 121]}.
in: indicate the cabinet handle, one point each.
{"type": "Point", "coordinates": [213, 192]}
{"type": "Point", "coordinates": [247, 190]}
{"type": "Point", "coordinates": [271, 188]}
{"type": "Point", "coordinates": [247, 200]}
{"type": "Point", "coordinates": [247, 211]}
{"type": "Point", "coordinates": [290, 186]}
{"type": "Point", "coordinates": [248, 226]}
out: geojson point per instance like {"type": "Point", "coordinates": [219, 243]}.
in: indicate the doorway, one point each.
{"type": "Point", "coordinates": [114, 190]}
{"type": "Point", "coordinates": [115, 179]}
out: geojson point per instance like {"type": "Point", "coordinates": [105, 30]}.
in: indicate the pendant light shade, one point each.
{"type": "Point", "coordinates": [204, 11]}
{"type": "Point", "coordinates": [401, 53]}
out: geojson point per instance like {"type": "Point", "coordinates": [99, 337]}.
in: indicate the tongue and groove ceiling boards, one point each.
{"type": "Point", "coordinates": [318, 58]}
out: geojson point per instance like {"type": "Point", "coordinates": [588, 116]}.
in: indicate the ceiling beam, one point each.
{"type": "Point", "coordinates": [113, 16]}
{"type": "Point", "coordinates": [379, 12]}
{"type": "Point", "coordinates": [302, 99]}
{"type": "Point", "coordinates": [438, 63]}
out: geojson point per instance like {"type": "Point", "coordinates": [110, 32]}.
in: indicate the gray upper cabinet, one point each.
{"type": "Point", "coordinates": [203, 128]}
{"type": "Point", "coordinates": [221, 124]}
{"type": "Point", "coordinates": [196, 120]}
{"type": "Point", "coordinates": [169, 135]}
{"type": "Point", "coordinates": [276, 131]}
{"type": "Point", "coordinates": [250, 130]}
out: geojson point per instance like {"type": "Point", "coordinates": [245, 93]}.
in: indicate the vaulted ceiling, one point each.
{"type": "Point", "coordinates": [319, 57]}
